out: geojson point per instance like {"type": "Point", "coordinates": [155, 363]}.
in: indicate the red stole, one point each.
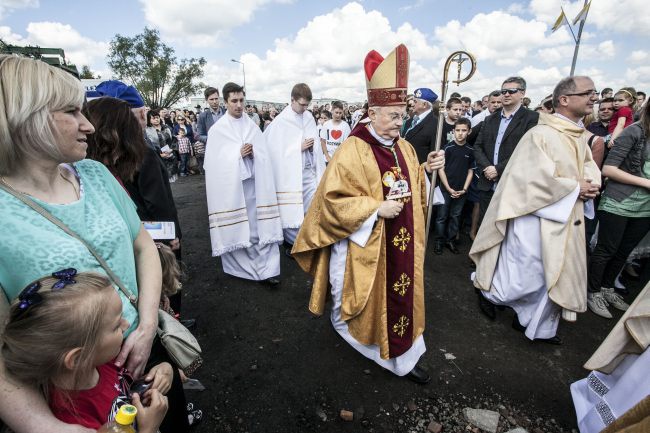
{"type": "Point", "coordinates": [399, 252]}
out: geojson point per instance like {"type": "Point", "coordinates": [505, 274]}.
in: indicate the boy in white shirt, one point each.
{"type": "Point", "coordinates": [333, 132]}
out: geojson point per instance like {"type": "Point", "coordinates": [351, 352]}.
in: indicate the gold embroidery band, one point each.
{"type": "Point", "coordinates": [385, 97]}
{"type": "Point", "coordinates": [227, 211]}
{"type": "Point", "coordinates": [214, 226]}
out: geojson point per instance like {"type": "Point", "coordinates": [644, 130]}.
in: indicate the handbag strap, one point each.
{"type": "Point", "coordinates": [54, 220]}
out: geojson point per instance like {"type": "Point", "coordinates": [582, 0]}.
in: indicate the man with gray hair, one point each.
{"type": "Point", "coordinates": [530, 250]}
{"type": "Point", "coordinates": [499, 136]}
{"type": "Point", "coordinates": [421, 129]}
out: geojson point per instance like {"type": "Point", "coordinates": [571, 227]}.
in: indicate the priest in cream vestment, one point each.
{"type": "Point", "coordinates": [530, 250]}
{"type": "Point", "coordinates": [243, 211]}
{"type": "Point", "coordinates": [364, 231]}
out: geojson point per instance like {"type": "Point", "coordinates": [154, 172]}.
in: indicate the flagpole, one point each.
{"type": "Point", "coordinates": [575, 52]}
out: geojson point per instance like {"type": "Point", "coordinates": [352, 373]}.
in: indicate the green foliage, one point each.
{"type": "Point", "coordinates": [147, 63]}
{"type": "Point", "coordinates": [86, 73]}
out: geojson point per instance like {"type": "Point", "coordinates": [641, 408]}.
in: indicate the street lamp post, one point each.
{"type": "Point", "coordinates": [243, 70]}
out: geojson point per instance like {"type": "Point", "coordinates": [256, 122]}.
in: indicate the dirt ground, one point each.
{"type": "Point", "coordinates": [270, 366]}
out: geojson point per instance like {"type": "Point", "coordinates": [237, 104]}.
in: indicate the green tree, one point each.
{"type": "Point", "coordinates": [86, 73]}
{"type": "Point", "coordinates": [147, 63]}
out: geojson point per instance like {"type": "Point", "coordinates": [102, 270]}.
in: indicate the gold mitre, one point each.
{"type": "Point", "coordinates": [387, 79]}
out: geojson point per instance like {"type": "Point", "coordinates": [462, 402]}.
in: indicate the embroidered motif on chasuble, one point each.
{"type": "Point", "coordinates": [400, 259]}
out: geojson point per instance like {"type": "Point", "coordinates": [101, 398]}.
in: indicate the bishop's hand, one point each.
{"type": "Point", "coordinates": [435, 161]}
{"type": "Point", "coordinates": [390, 209]}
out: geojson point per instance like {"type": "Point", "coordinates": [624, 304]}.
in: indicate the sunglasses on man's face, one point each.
{"type": "Point", "coordinates": [510, 91]}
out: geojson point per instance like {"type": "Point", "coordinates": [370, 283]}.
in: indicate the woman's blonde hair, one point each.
{"type": "Point", "coordinates": [30, 90]}
{"type": "Point", "coordinates": [37, 338]}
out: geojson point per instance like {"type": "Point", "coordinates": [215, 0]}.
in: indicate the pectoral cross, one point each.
{"type": "Point", "coordinates": [402, 284]}
{"type": "Point", "coordinates": [400, 327]}
{"type": "Point", "coordinates": [402, 239]}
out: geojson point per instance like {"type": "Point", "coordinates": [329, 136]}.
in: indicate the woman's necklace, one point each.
{"type": "Point", "coordinates": [74, 188]}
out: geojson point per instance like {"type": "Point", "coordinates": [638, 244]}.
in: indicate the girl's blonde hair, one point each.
{"type": "Point", "coordinates": [37, 338]}
{"type": "Point", "coordinates": [30, 90]}
{"type": "Point", "coordinates": [630, 94]}
{"type": "Point", "coordinates": [171, 270]}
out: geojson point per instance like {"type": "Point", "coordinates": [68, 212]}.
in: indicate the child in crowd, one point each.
{"type": "Point", "coordinates": [454, 112]}
{"type": "Point", "coordinates": [455, 178]}
{"type": "Point", "coordinates": [63, 333]}
{"type": "Point", "coordinates": [624, 101]}
{"type": "Point", "coordinates": [184, 150]}
{"type": "Point", "coordinates": [333, 132]}
{"type": "Point", "coordinates": [199, 152]}
{"type": "Point", "coordinates": [171, 284]}
{"type": "Point", "coordinates": [171, 274]}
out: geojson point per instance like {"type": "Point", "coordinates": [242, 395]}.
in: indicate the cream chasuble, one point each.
{"type": "Point", "coordinates": [543, 170]}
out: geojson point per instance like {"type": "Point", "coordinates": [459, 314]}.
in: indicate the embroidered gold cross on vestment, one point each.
{"type": "Point", "coordinates": [402, 239]}
{"type": "Point", "coordinates": [400, 327]}
{"type": "Point", "coordinates": [401, 285]}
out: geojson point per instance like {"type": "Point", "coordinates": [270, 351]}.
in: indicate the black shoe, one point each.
{"type": "Point", "coordinates": [516, 325]}
{"type": "Point", "coordinates": [623, 291]}
{"type": "Point", "coordinates": [557, 341]}
{"type": "Point", "coordinates": [486, 306]}
{"type": "Point", "coordinates": [271, 282]}
{"type": "Point", "coordinates": [418, 375]}
{"type": "Point", "coordinates": [189, 323]}
{"type": "Point", "coordinates": [452, 247]}
{"type": "Point", "coordinates": [437, 248]}
{"type": "Point", "coordinates": [287, 249]}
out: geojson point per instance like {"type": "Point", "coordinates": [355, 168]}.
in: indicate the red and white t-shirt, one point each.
{"type": "Point", "coordinates": [94, 407]}
{"type": "Point", "coordinates": [334, 135]}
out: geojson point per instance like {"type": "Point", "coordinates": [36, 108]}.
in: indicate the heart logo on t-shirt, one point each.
{"type": "Point", "coordinates": [336, 134]}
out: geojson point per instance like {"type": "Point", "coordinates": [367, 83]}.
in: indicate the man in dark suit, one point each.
{"type": "Point", "coordinates": [422, 127]}
{"type": "Point", "coordinates": [210, 116]}
{"type": "Point", "coordinates": [500, 133]}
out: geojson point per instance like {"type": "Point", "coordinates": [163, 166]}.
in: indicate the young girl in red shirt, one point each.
{"type": "Point", "coordinates": [63, 333]}
{"type": "Point", "coordinates": [624, 101]}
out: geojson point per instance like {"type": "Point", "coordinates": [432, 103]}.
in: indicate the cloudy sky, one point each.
{"type": "Point", "coordinates": [323, 43]}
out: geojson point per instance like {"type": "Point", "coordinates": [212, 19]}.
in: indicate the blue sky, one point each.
{"type": "Point", "coordinates": [323, 43]}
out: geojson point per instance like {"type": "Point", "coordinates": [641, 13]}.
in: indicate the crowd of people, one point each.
{"type": "Point", "coordinates": [554, 201]}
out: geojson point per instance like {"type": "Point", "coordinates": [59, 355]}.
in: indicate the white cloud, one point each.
{"type": "Point", "coordinates": [78, 49]}
{"type": "Point", "coordinates": [516, 8]}
{"type": "Point", "coordinates": [333, 69]}
{"type": "Point", "coordinates": [624, 16]}
{"type": "Point", "coordinates": [638, 56]}
{"type": "Point", "coordinates": [417, 4]}
{"type": "Point", "coordinates": [200, 22]}
{"type": "Point", "coordinates": [606, 48]}
{"type": "Point", "coordinates": [484, 37]}
{"type": "Point", "coordinates": [7, 6]}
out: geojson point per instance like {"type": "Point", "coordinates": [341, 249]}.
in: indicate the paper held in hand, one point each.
{"type": "Point", "coordinates": [160, 230]}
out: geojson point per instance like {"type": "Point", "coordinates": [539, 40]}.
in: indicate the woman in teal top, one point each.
{"type": "Point", "coordinates": [623, 214]}
{"type": "Point", "coordinates": [42, 147]}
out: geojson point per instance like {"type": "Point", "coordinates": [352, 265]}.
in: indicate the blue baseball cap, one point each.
{"type": "Point", "coordinates": [119, 90]}
{"type": "Point", "coordinates": [426, 94]}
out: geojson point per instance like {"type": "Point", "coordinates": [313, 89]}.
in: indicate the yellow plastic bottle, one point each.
{"type": "Point", "coordinates": [123, 422]}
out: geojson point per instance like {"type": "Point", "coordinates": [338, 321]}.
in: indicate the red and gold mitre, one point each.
{"type": "Point", "coordinates": [387, 79]}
